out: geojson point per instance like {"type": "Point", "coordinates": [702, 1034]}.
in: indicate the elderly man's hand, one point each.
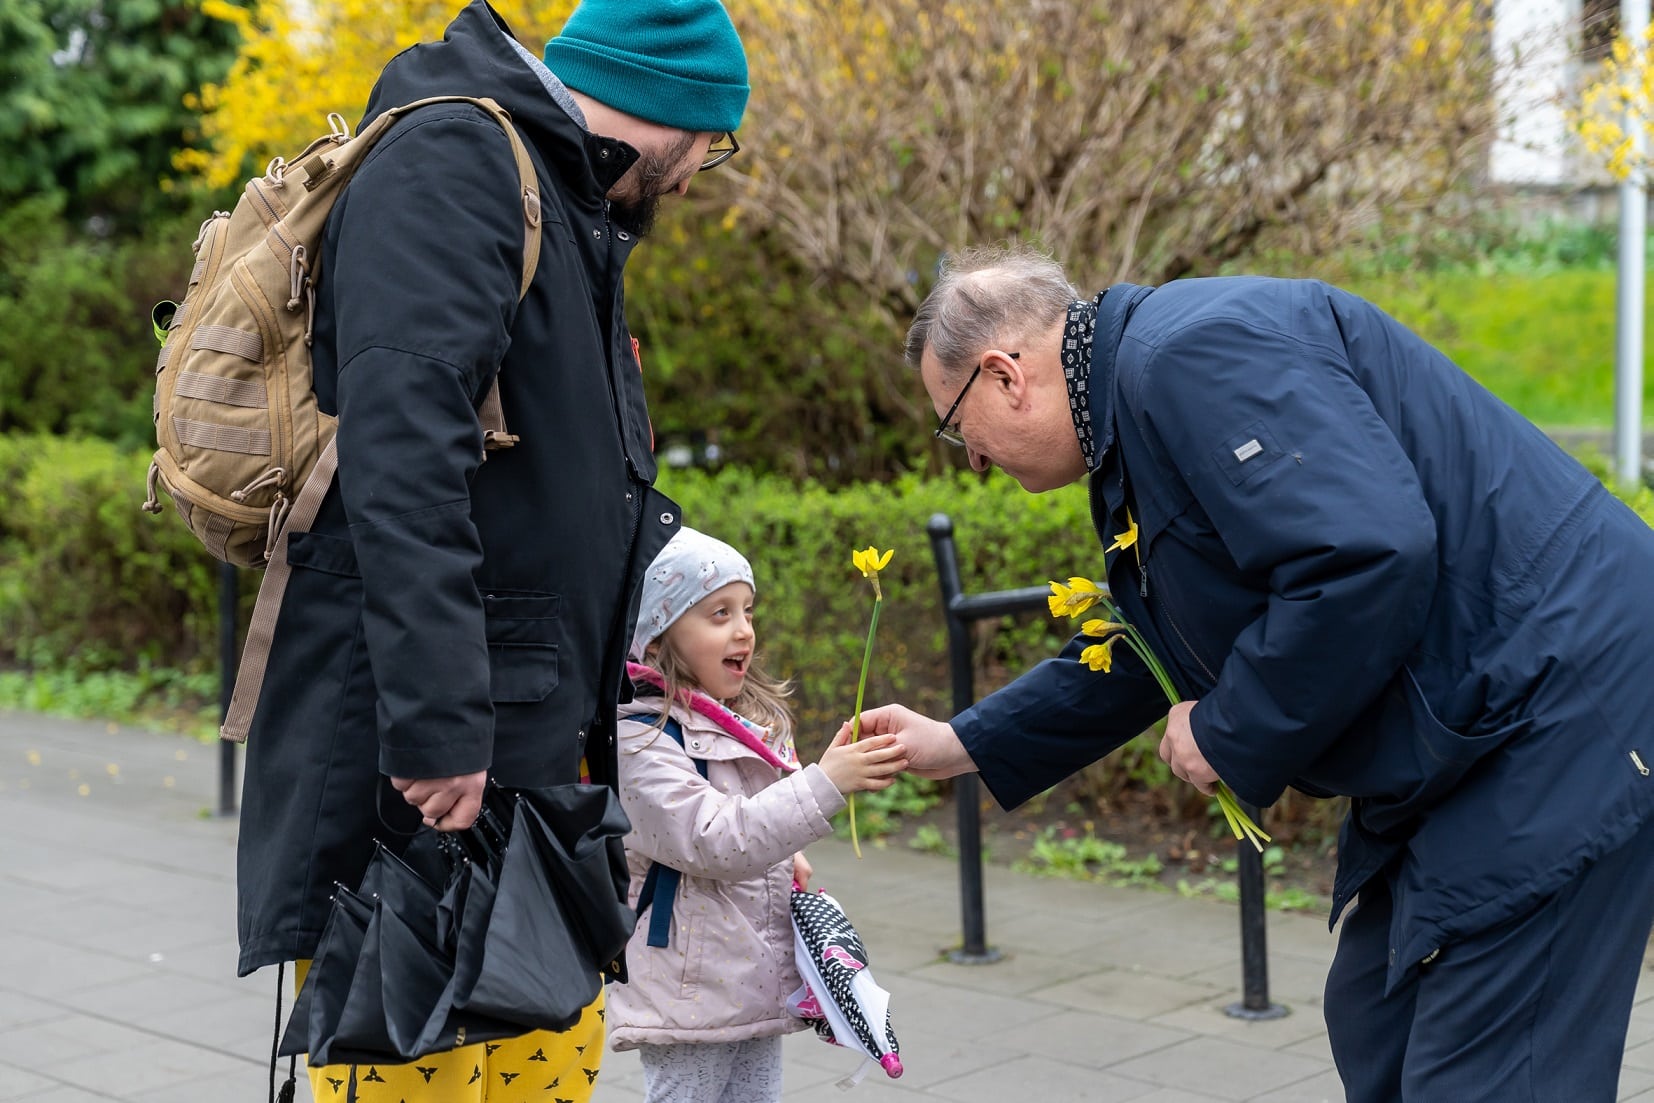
{"type": "Point", "coordinates": [445, 803]}
{"type": "Point", "coordinates": [933, 750]}
{"type": "Point", "coordinates": [1179, 751]}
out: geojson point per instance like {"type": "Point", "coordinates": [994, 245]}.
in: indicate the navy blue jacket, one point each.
{"type": "Point", "coordinates": [447, 615]}
{"type": "Point", "coordinates": [1377, 580]}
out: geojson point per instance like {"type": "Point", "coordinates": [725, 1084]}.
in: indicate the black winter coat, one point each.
{"type": "Point", "coordinates": [447, 615]}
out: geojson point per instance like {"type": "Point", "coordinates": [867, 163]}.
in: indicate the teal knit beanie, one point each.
{"type": "Point", "coordinates": [678, 63]}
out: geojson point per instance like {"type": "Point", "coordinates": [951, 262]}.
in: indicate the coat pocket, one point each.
{"type": "Point", "coordinates": [318, 551]}
{"type": "Point", "coordinates": [1414, 760]}
{"type": "Point", "coordinates": [522, 630]}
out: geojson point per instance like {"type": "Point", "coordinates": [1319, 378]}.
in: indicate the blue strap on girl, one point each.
{"type": "Point", "coordinates": [660, 884]}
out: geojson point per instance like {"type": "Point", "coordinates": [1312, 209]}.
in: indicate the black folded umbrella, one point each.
{"type": "Point", "coordinates": [322, 998]}
{"type": "Point", "coordinates": [471, 936]}
{"type": "Point", "coordinates": [578, 830]}
{"type": "Point", "coordinates": [529, 965]}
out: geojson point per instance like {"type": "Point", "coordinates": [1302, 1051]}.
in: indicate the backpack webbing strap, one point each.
{"type": "Point", "coordinates": [660, 884]}
{"type": "Point", "coordinates": [255, 654]}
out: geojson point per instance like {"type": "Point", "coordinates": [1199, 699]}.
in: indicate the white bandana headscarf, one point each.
{"type": "Point", "coordinates": [691, 566]}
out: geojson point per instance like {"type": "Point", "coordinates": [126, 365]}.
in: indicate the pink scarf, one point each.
{"type": "Point", "coordinates": [718, 714]}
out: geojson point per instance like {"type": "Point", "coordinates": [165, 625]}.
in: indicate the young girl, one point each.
{"type": "Point", "coordinates": [723, 813]}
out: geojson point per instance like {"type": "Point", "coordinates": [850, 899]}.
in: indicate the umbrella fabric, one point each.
{"type": "Point", "coordinates": [841, 998]}
{"type": "Point", "coordinates": [317, 1009]}
{"type": "Point", "coordinates": [578, 830]}
{"type": "Point", "coordinates": [496, 931]}
{"type": "Point", "coordinates": [529, 965]}
{"type": "Point", "coordinates": [400, 969]}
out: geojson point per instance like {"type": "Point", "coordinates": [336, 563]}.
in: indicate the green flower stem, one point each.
{"type": "Point", "coordinates": [1239, 822]}
{"type": "Point", "coordinates": [855, 724]}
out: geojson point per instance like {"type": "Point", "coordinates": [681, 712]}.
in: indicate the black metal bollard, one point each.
{"type": "Point", "coordinates": [228, 598]}
{"type": "Point", "coordinates": [974, 949]}
{"type": "Point", "coordinates": [959, 609]}
{"type": "Point", "coordinates": [1254, 1002]}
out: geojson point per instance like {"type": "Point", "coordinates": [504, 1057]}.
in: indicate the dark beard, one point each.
{"type": "Point", "coordinates": [635, 216]}
{"type": "Point", "coordinates": [636, 213]}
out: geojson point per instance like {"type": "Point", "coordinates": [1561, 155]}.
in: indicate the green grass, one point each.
{"type": "Point", "coordinates": [1542, 340]}
{"type": "Point", "coordinates": [162, 700]}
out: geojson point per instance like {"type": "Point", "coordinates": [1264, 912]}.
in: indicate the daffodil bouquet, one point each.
{"type": "Point", "coordinates": [869, 562]}
{"type": "Point", "coordinates": [1079, 597]}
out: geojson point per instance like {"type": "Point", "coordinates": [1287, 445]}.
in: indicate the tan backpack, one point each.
{"type": "Point", "coordinates": [245, 454]}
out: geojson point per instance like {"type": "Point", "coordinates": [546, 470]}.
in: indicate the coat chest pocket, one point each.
{"type": "Point", "coordinates": [522, 629]}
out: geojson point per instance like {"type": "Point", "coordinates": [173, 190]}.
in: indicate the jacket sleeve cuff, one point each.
{"type": "Point", "coordinates": [452, 758]}
{"type": "Point", "coordinates": [829, 801]}
{"type": "Point", "coordinates": [1006, 785]}
{"type": "Point", "coordinates": [1257, 788]}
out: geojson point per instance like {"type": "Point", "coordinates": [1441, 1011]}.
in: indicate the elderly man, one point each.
{"type": "Point", "coordinates": [448, 620]}
{"type": "Point", "coordinates": [1366, 577]}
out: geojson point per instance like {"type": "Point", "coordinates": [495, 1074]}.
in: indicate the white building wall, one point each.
{"type": "Point", "coordinates": [1533, 40]}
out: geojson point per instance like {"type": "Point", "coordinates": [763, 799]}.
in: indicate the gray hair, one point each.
{"type": "Point", "coordinates": [985, 295]}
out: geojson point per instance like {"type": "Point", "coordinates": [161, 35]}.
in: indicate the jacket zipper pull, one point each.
{"type": "Point", "coordinates": [1143, 587]}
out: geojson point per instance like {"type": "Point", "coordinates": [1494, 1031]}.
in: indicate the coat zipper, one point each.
{"type": "Point", "coordinates": [611, 349]}
{"type": "Point", "coordinates": [1143, 591]}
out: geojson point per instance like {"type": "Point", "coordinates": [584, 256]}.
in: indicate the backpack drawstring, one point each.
{"type": "Point", "coordinates": [275, 476]}
{"type": "Point", "coordinates": [152, 504]}
{"type": "Point", "coordinates": [300, 285]}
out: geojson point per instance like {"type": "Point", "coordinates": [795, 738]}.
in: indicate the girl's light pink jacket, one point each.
{"type": "Point", "coordinates": [728, 968]}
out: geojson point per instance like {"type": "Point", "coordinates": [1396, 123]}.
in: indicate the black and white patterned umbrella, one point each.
{"type": "Point", "coordinates": [841, 999]}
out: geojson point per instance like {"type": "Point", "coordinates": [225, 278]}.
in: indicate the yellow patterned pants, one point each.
{"type": "Point", "coordinates": [541, 1067]}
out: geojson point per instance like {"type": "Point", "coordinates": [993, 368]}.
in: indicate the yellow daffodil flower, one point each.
{"type": "Point", "coordinates": [1099, 656]}
{"type": "Point", "coordinates": [1075, 598]}
{"type": "Point", "coordinates": [1100, 627]}
{"type": "Point", "coordinates": [870, 562]}
{"type": "Point", "coordinates": [1123, 540]}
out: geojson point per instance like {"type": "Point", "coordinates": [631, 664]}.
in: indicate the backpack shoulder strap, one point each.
{"type": "Point", "coordinates": [660, 884]}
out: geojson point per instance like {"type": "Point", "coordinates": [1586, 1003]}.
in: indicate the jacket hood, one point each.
{"type": "Point", "coordinates": [477, 57]}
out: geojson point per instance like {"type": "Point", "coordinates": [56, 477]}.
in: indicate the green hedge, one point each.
{"type": "Point", "coordinates": [89, 583]}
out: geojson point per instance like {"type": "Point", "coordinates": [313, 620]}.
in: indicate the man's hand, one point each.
{"type": "Point", "coordinates": [1179, 751]}
{"type": "Point", "coordinates": [446, 803]}
{"type": "Point", "coordinates": [933, 750]}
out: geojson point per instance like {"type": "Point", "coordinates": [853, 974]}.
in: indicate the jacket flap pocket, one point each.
{"type": "Point", "coordinates": [521, 671]}
{"type": "Point", "coordinates": [520, 616]}
{"type": "Point", "coordinates": [319, 552]}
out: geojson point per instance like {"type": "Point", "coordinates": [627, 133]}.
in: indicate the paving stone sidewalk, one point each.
{"type": "Point", "coordinates": [117, 962]}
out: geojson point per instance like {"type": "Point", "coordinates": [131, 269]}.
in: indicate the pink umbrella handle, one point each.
{"type": "Point", "coordinates": [891, 1064]}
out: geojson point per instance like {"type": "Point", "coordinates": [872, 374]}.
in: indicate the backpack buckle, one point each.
{"type": "Point", "coordinates": [493, 440]}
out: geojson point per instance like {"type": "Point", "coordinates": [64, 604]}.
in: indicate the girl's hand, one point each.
{"type": "Point", "coordinates": [801, 870]}
{"type": "Point", "coordinates": [871, 763]}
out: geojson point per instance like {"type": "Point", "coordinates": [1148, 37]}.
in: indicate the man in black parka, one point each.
{"type": "Point", "coordinates": [450, 620]}
{"type": "Point", "coordinates": [1366, 577]}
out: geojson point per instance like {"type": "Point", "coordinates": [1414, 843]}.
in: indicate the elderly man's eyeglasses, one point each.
{"type": "Point", "coordinates": [723, 147]}
{"type": "Point", "coordinates": [947, 430]}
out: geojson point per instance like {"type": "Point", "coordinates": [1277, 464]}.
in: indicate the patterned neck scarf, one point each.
{"type": "Point", "coordinates": [1076, 370]}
